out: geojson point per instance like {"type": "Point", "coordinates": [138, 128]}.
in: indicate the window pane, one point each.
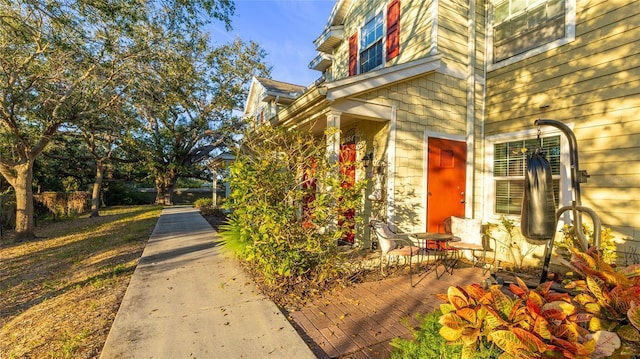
{"type": "Point", "coordinates": [501, 11]}
{"type": "Point", "coordinates": [500, 168]}
{"type": "Point", "coordinates": [371, 53]}
{"type": "Point", "coordinates": [510, 157]}
{"type": "Point", "coordinates": [555, 8]}
{"type": "Point", "coordinates": [379, 28]}
{"type": "Point", "coordinates": [500, 151]}
{"type": "Point", "coordinates": [518, 5]}
{"type": "Point", "coordinates": [372, 31]}
{"type": "Point", "coordinates": [521, 25]}
{"type": "Point", "coordinates": [371, 57]}
{"type": "Point", "coordinates": [509, 196]}
{"type": "Point", "coordinates": [378, 54]}
{"type": "Point", "coordinates": [518, 23]}
{"type": "Point", "coordinates": [500, 159]}
{"type": "Point", "coordinates": [551, 145]}
{"type": "Point", "coordinates": [516, 168]}
{"type": "Point", "coordinates": [510, 161]}
{"type": "Point", "coordinates": [536, 16]}
{"type": "Point", "coordinates": [530, 144]}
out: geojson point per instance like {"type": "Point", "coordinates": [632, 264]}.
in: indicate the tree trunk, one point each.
{"type": "Point", "coordinates": [25, 224]}
{"type": "Point", "coordinates": [165, 186]}
{"type": "Point", "coordinates": [97, 186]}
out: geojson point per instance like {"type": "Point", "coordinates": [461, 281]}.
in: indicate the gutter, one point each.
{"type": "Point", "coordinates": [310, 98]}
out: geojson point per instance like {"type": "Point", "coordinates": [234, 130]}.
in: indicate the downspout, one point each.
{"type": "Point", "coordinates": [434, 27]}
{"type": "Point", "coordinates": [471, 109]}
{"type": "Point", "coordinates": [482, 119]}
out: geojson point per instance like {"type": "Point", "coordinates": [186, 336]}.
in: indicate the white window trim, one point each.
{"type": "Point", "coordinates": [534, 4]}
{"type": "Point", "coordinates": [489, 212]}
{"type": "Point", "coordinates": [382, 40]}
{"type": "Point", "coordinates": [382, 9]}
{"type": "Point", "coordinates": [570, 36]}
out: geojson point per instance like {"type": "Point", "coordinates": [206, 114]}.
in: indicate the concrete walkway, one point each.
{"type": "Point", "coordinates": [187, 299]}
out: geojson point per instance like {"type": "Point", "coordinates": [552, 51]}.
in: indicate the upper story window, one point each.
{"type": "Point", "coordinates": [367, 54]}
{"type": "Point", "coordinates": [371, 44]}
{"type": "Point", "coordinates": [522, 25]}
{"type": "Point", "coordinates": [509, 164]}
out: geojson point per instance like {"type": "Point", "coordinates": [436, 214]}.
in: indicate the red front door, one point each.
{"type": "Point", "coordinates": [445, 181]}
{"type": "Point", "coordinates": [348, 170]}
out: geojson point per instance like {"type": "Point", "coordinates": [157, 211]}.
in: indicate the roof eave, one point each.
{"type": "Point", "coordinates": [354, 85]}
{"type": "Point", "coordinates": [310, 98]}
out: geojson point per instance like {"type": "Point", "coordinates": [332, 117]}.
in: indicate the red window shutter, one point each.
{"type": "Point", "coordinates": [353, 54]}
{"type": "Point", "coordinates": [309, 186]}
{"type": "Point", "coordinates": [393, 29]}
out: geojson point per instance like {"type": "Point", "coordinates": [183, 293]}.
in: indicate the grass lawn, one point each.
{"type": "Point", "coordinates": [59, 294]}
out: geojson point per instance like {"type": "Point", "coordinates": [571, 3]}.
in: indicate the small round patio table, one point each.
{"type": "Point", "coordinates": [437, 245]}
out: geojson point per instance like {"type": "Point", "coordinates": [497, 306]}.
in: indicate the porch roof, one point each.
{"type": "Point", "coordinates": [310, 109]}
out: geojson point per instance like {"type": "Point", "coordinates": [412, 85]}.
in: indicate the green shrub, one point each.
{"type": "Point", "coordinates": [59, 205]}
{"type": "Point", "coordinates": [428, 343]}
{"type": "Point", "coordinates": [203, 202]}
{"type": "Point", "coordinates": [116, 194]}
{"type": "Point", "coordinates": [511, 240]}
{"type": "Point", "coordinates": [281, 224]}
{"type": "Point", "coordinates": [205, 205]}
{"type": "Point", "coordinates": [570, 240]}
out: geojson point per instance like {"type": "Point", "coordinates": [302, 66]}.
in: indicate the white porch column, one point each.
{"type": "Point", "coordinates": [391, 168]}
{"type": "Point", "coordinates": [214, 187]}
{"type": "Point", "coordinates": [333, 150]}
{"type": "Point", "coordinates": [333, 136]}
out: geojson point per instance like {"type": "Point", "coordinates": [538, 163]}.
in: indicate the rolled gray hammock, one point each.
{"type": "Point", "coordinates": [538, 221]}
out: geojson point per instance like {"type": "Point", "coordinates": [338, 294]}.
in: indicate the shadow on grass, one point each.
{"type": "Point", "coordinates": [32, 271]}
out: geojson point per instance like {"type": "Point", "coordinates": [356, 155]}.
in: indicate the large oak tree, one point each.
{"type": "Point", "coordinates": [67, 60]}
{"type": "Point", "coordinates": [187, 103]}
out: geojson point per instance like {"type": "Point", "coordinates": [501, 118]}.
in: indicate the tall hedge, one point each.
{"type": "Point", "coordinates": [288, 201]}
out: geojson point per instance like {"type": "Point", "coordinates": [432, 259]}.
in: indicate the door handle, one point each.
{"type": "Point", "coordinates": [462, 201]}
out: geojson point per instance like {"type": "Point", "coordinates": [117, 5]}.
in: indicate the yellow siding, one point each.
{"type": "Point", "coordinates": [480, 39]}
{"type": "Point", "coordinates": [354, 20]}
{"type": "Point", "coordinates": [592, 83]}
{"type": "Point", "coordinates": [434, 103]}
{"type": "Point", "coordinates": [415, 32]}
{"type": "Point", "coordinates": [453, 37]}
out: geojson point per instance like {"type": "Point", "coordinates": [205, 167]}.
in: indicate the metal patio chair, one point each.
{"type": "Point", "coordinates": [393, 245]}
{"type": "Point", "coordinates": [472, 240]}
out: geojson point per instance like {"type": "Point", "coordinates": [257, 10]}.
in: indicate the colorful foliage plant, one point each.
{"type": "Point", "coordinates": [599, 319]}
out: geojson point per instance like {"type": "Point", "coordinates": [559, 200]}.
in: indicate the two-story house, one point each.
{"type": "Point", "coordinates": [444, 95]}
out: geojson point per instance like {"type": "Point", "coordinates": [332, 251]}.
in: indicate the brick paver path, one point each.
{"type": "Point", "coordinates": [359, 321]}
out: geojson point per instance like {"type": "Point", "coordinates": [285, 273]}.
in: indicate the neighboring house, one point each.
{"type": "Point", "coordinates": [444, 95]}
{"type": "Point", "coordinates": [266, 97]}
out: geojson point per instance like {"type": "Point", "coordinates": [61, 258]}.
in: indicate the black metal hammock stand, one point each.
{"type": "Point", "coordinates": [539, 216]}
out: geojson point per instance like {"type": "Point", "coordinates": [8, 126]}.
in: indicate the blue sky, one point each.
{"type": "Point", "coordinates": [285, 29]}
